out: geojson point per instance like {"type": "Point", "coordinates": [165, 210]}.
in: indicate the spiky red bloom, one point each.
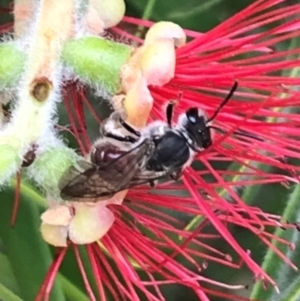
{"type": "Point", "coordinates": [241, 49]}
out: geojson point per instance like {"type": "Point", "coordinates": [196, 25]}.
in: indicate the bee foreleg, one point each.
{"type": "Point", "coordinates": [129, 128]}
{"type": "Point", "coordinates": [120, 138]}
{"type": "Point", "coordinates": [151, 175]}
{"type": "Point", "coordinates": [176, 175]}
{"type": "Point", "coordinates": [152, 184]}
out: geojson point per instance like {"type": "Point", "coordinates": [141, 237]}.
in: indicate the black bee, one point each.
{"type": "Point", "coordinates": [124, 157]}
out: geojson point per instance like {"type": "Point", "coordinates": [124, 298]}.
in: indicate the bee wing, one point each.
{"type": "Point", "coordinates": [104, 181]}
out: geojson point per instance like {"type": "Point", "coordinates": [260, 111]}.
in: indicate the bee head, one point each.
{"type": "Point", "coordinates": [196, 129]}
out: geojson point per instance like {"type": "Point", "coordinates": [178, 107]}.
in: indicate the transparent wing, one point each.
{"type": "Point", "coordinates": [90, 181]}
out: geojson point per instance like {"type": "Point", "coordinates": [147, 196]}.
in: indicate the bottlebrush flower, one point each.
{"type": "Point", "coordinates": [241, 49]}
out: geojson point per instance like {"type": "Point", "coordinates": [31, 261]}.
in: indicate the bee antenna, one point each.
{"type": "Point", "coordinates": [243, 134]}
{"type": "Point", "coordinates": [239, 133]}
{"type": "Point", "coordinates": [170, 109]}
{"type": "Point", "coordinates": [223, 103]}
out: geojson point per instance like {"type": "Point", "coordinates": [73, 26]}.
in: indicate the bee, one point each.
{"type": "Point", "coordinates": [111, 165]}
{"type": "Point", "coordinates": [124, 157]}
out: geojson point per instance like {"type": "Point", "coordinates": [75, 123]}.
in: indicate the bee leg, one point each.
{"type": "Point", "coordinates": [129, 128]}
{"type": "Point", "coordinates": [120, 138]}
{"type": "Point", "coordinates": [152, 184]}
{"type": "Point", "coordinates": [151, 175]}
{"type": "Point", "coordinates": [110, 130]}
{"type": "Point", "coordinates": [147, 177]}
{"type": "Point", "coordinates": [176, 175]}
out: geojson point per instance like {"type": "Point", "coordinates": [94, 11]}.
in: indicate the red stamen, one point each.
{"type": "Point", "coordinates": [16, 200]}
{"type": "Point", "coordinates": [83, 274]}
{"type": "Point", "coordinates": [44, 293]}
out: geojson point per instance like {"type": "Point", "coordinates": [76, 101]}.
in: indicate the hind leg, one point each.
{"type": "Point", "coordinates": [176, 175]}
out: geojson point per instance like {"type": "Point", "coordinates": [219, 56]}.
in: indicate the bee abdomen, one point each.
{"type": "Point", "coordinates": [105, 154]}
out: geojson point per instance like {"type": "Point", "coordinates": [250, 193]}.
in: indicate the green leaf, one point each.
{"type": "Point", "coordinates": [72, 292]}
{"type": "Point", "coordinates": [32, 201]}
{"type": "Point", "coordinates": [29, 255]}
{"type": "Point", "coordinates": [7, 295]}
{"type": "Point", "coordinates": [192, 14]}
{"type": "Point", "coordinates": [7, 277]}
{"type": "Point", "coordinates": [291, 293]}
{"type": "Point", "coordinates": [279, 270]}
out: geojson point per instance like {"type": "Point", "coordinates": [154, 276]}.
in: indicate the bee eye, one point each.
{"type": "Point", "coordinates": [192, 115]}
{"type": "Point", "coordinates": [192, 119]}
